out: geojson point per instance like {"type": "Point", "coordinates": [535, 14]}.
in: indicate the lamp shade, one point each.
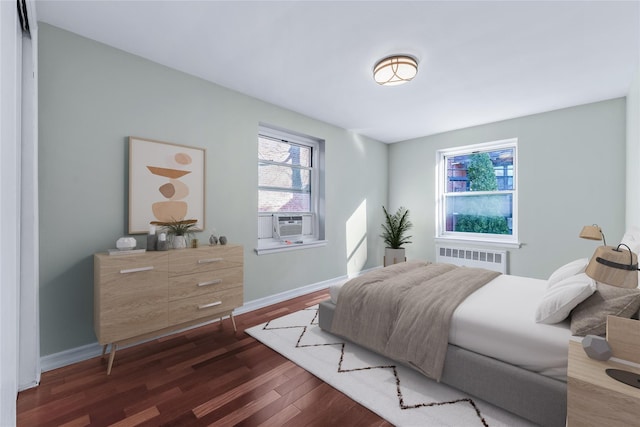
{"type": "Point", "coordinates": [591, 232]}
{"type": "Point", "coordinates": [614, 266]}
{"type": "Point", "coordinates": [395, 70]}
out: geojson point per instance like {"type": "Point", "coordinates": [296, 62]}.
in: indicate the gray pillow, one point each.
{"type": "Point", "coordinates": [590, 316]}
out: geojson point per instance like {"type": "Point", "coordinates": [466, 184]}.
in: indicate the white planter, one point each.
{"type": "Point", "coordinates": [393, 256]}
{"type": "Point", "coordinates": [179, 242]}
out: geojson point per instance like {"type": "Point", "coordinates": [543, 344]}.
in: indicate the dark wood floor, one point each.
{"type": "Point", "coordinates": [205, 376]}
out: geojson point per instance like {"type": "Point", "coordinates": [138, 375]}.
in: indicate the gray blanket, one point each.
{"type": "Point", "coordinates": [404, 311]}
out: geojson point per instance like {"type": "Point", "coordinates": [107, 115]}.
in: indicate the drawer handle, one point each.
{"type": "Point", "coordinates": [212, 304]}
{"type": "Point", "coordinates": [213, 282]}
{"type": "Point", "coordinates": [136, 270]}
{"type": "Point", "coordinates": [209, 260]}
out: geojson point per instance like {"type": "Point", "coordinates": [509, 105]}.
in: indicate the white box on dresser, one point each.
{"type": "Point", "coordinates": [139, 296]}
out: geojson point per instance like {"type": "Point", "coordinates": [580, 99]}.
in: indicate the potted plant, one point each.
{"type": "Point", "coordinates": [179, 231]}
{"type": "Point", "coordinates": [394, 232]}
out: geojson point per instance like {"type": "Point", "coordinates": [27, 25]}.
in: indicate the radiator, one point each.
{"type": "Point", "coordinates": [473, 257]}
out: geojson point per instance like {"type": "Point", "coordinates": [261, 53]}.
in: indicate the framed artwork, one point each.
{"type": "Point", "coordinates": [166, 183]}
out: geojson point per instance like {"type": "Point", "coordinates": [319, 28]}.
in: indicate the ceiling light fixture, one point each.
{"type": "Point", "coordinates": [395, 70]}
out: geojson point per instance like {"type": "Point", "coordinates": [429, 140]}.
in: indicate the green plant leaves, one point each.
{"type": "Point", "coordinates": [395, 228]}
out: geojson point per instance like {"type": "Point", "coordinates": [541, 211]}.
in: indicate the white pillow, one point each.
{"type": "Point", "coordinates": [571, 269]}
{"type": "Point", "coordinates": [632, 239]}
{"type": "Point", "coordinates": [564, 296]}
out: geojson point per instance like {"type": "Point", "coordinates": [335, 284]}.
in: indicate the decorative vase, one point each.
{"type": "Point", "coordinates": [161, 244]}
{"type": "Point", "coordinates": [179, 242]}
{"type": "Point", "coordinates": [152, 241]}
{"type": "Point", "coordinates": [393, 256]}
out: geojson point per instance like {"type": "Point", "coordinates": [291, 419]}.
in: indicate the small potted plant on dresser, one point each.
{"type": "Point", "coordinates": [179, 231]}
{"type": "Point", "coordinates": [394, 231]}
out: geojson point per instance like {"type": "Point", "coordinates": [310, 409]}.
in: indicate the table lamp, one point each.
{"type": "Point", "coordinates": [612, 266]}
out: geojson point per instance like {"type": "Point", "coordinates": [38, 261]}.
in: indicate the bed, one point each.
{"type": "Point", "coordinates": [498, 348]}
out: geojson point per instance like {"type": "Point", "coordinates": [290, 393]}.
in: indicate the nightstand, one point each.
{"type": "Point", "coordinates": [595, 399]}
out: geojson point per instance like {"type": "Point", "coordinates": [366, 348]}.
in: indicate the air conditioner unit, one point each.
{"type": "Point", "coordinates": [287, 226]}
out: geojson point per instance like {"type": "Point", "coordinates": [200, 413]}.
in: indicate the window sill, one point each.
{"type": "Point", "coordinates": [478, 242]}
{"type": "Point", "coordinates": [285, 247]}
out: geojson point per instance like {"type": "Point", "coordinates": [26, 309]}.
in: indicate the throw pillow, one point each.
{"type": "Point", "coordinates": [570, 269]}
{"type": "Point", "coordinates": [590, 317]}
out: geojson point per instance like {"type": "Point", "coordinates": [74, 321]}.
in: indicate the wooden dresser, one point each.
{"type": "Point", "coordinates": [140, 296]}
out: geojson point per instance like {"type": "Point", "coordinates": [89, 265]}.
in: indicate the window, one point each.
{"type": "Point", "coordinates": [284, 175]}
{"type": "Point", "coordinates": [477, 193]}
{"type": "Point", "coordinates": [289, 190]}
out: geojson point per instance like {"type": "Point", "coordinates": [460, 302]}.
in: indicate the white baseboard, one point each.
{"type": "Point", "coordinates": [283, 296]}
{"type": "Point", "coordinates": [85, 352]}
{"type": "Point", "coordinates": [68, 357]}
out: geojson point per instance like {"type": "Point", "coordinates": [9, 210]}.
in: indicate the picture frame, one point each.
{"type": "Point", "coordinates": [166, 183]}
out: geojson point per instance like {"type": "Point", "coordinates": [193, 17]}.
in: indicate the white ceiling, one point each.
{"type": "Point", "coordinates": [479, 61]}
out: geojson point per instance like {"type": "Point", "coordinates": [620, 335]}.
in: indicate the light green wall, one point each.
{"type": "Point", "coordinates": [571, 173]}
{"type": "Point", "coordinates": [92, 97]}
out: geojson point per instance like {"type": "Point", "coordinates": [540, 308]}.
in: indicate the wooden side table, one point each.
{"type": "Point", "coordinates": [594, 398]}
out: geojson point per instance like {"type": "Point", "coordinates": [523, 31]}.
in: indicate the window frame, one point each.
{"type": "Point", "coordinates": [487, 239]}
{"type": "Point", "coordinates": [272, 244]}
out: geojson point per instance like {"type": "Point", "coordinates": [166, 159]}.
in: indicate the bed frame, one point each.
{"type": "Point", "coordinates": [532, 396]}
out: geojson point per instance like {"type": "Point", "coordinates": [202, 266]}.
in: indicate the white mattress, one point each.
{"type": "Point", "coordinates": [498, 320]}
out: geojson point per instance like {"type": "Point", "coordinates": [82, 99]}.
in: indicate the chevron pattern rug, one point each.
{"type": "Point", "coordinates": [396, 393]}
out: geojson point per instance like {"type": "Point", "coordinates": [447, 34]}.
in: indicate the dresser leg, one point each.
{"type": "Point", "coordinates": [104, 350]}
{"type": "Point", "coordinates": [233, 321]}
{"type": "Point", "coordinates": [112, 356]}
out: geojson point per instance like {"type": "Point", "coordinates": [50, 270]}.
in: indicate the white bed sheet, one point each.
{"type": "Point", "coordinates": [498, 320]}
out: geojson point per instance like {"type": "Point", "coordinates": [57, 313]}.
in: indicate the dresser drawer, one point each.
{"type": "Point", "coordinates": [211, 304]}
{"type": "Point", "coordinates": [130, 295]}
{"type": "Point", "coordinates": [206, 258]}
{"type": "Point", "coordinates": [191, 285]}
{"type": "Point", "coordinates": [116, 267]}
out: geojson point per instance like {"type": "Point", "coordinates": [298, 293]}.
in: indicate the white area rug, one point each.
{"type": "Point", "coordinates": [396, 393]}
